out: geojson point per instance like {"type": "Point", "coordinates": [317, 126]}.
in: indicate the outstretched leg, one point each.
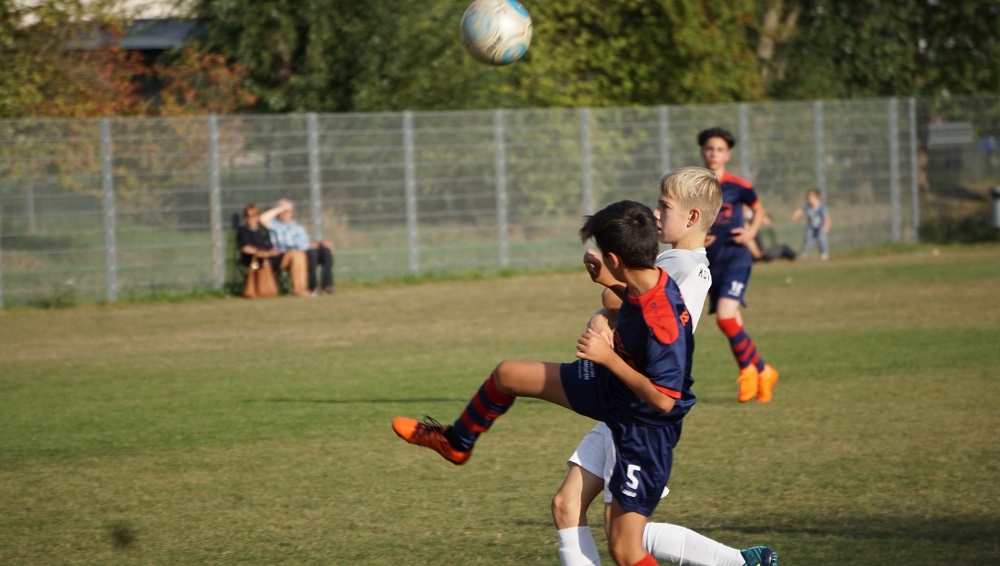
{"type": "Point", "coordinates": [507, 382]}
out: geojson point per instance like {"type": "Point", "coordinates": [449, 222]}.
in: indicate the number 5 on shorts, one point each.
{"type": "Point", "coordinates": [630, 473]}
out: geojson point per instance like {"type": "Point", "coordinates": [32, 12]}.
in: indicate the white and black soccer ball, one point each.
{"type": "Point", "coordinates": [496, 32]}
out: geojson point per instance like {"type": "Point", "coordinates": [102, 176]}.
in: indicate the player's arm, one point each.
{"type": "Point", "coordinates": [605, 319]}
{"type": "Point", "coordinates": [602, 322]}
{"type": "Point", "coordinates": [750, 232]}
{"type": "Point", "coordinates": [591, 346]}
{"type": "Point", "coordinates": [826, 222]}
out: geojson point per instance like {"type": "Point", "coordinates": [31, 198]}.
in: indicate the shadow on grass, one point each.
{"type": "Point", "coordinates": [950, 529]}
{"type": "Point", "coordinates": [358, 401]}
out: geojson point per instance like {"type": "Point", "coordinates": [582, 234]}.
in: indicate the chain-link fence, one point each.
{"type": "Point", "coordinates": [100, 209]}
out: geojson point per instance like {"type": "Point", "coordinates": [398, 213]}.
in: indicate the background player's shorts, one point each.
{"type": "Point", "coordinates": [596, 454]}
{"type": "Point", "coordinates": [644, 453]}
{"type": "Point", "coordinates": [729, 281]}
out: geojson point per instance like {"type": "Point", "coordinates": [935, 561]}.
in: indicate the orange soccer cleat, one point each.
{"type": "Point", "coordinates": [765, 384]}
{"type": "Point", "coordinates": [748, 382]}
{"type": "Point", "coordinates": [429, 433]}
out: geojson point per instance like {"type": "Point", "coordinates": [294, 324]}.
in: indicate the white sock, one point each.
{"type": "Point", "coordinates": [682, 546]}
{"type": "Point", "coordinates": [577, 547]}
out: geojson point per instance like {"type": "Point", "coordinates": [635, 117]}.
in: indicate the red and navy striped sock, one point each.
{"type": "Point", "coordinates": [486, 405]}
{"type": "Point", "coordinates": [744, 350]}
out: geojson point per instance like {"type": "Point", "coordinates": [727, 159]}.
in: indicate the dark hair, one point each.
{"type": "Point", "coordinates": [726, 135]}
{"type": "Point", "coordinates": [627, 229]}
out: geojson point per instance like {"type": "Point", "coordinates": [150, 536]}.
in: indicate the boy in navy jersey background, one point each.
{"type": "Point", "coordinates": [639, 385]}
{"type": "Point", "coordinates": [730, 261]}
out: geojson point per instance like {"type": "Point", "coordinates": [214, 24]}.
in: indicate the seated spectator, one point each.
{"type": "Point", "coordinates": [255, 243]}
{"type": "Point", "coordinates": [288, 235]}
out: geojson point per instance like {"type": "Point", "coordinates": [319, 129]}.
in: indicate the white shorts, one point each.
{"type": "Point", "coordinates": [596, 454]}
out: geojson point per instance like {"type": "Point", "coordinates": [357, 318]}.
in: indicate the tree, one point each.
{"type": "Point", "coordinates": [62, 59]}
{"type": "Point", "coordinates": [340, 55]}
{"type": "Point", "coordinates": [847, 49]}
{"type": "Point", "coordinates": [192, 81]}
{"type": "Point", "coordinates": [638, 52]}
{"type": "Point", "coordinates": [42, 75]}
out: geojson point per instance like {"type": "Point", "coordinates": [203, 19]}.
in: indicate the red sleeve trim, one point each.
{"type": "Point", "coordinates": [668, 392]}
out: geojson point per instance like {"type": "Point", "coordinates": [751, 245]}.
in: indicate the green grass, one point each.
{"type": "Point", "coordinates": [226, 431]}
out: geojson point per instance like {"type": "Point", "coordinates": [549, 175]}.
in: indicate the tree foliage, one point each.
{"type": "Point", "coordinates": [639, 52]}
{"type": "Point", "coordinates": [386, 55]}
{"type": "Point", "coordinates": [62, 60]}
{"type": "Point", "coordinates": [33, 41]}
{"type": "Point", "coordinates": [850, 48]}
{"type": "Point", "coordinates": [339, 55]}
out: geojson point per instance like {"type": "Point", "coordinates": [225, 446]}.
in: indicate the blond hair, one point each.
{"type": "Point", "coordinates": [695, 187]}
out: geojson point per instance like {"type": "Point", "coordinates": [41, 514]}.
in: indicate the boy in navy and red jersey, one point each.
{"type": "Point", "coordinates": [730, 261]}
{"type": "Point", "coordinates": [639, 383]}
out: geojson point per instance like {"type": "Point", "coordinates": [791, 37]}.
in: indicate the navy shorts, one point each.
{"type": "Point", "coordinates": [729, 281]}
{"type": "Point", "coordinates": [645, 453]}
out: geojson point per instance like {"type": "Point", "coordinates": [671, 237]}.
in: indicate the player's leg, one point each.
{"type": "Point", "coordinates": [539, 380]}
{"type": "Point", "coordinates": [625, 530]}
{"type": "Point", "coordinates": [824, 244]}
{"type": "Point", "coordinates": [744, 350]}
{"type": "Point", "coordinates": [507, 382]}
{"type": "Point", "coordinates": [682, 546]}
{"type": "Point", "coordinates": [757, 378]}
{"type": "Point", "coordinates": [569, 513]}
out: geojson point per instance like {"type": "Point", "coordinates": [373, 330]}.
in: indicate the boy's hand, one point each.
{"type": "Point", "coordinates": [592, 346]}
{"type": "Point", "coordinates": [742, 236]}
{"type": "Point", "coordinates": [599, 324]}
{"type": "Point", "coordinates": [592, 261]}
{"type": "Point", "coordinates": [595, 268]}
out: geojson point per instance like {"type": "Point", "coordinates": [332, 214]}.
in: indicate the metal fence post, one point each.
{"type": "Point", "coordinates": [410, 186]}
{"type": "Point", "coordinates": [500, 171]}
{"type": "Point", "coordinates": [744, 141]}
{"type": "Point", "coordinates": [664, 140]}
{"type": "Point", "coordinates": [1, 262]}
{"type": "Point", "coordinates": [108, 190]}
{"type": "Point", "coordinates": [315, 187]}
{"type": "Point", "coordinates": [820, 149]}
{"type": "Point", "coordinates": [894, 169]}
{"type": "Point", "coordinates": [32, 228]}
{"type": "Point", "coordinates": [215, 200]}
{"type": "Point", "coordinates": [586, 182]}
{"type": "Point", "coordinates": [914, 184]}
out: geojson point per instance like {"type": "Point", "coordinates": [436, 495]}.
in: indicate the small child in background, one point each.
{"type": "Point", "coordinates": [817, 223]}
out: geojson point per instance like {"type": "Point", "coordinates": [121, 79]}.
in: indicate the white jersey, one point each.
{"type": "Point", "coordinates": [689, 269]}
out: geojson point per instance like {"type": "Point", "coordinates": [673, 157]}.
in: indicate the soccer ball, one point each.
{"type": "Point", "coordinates": [496, 32]}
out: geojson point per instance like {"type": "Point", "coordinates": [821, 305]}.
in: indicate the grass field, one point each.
{"type": "Point", "coordinates": [225, 431]}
